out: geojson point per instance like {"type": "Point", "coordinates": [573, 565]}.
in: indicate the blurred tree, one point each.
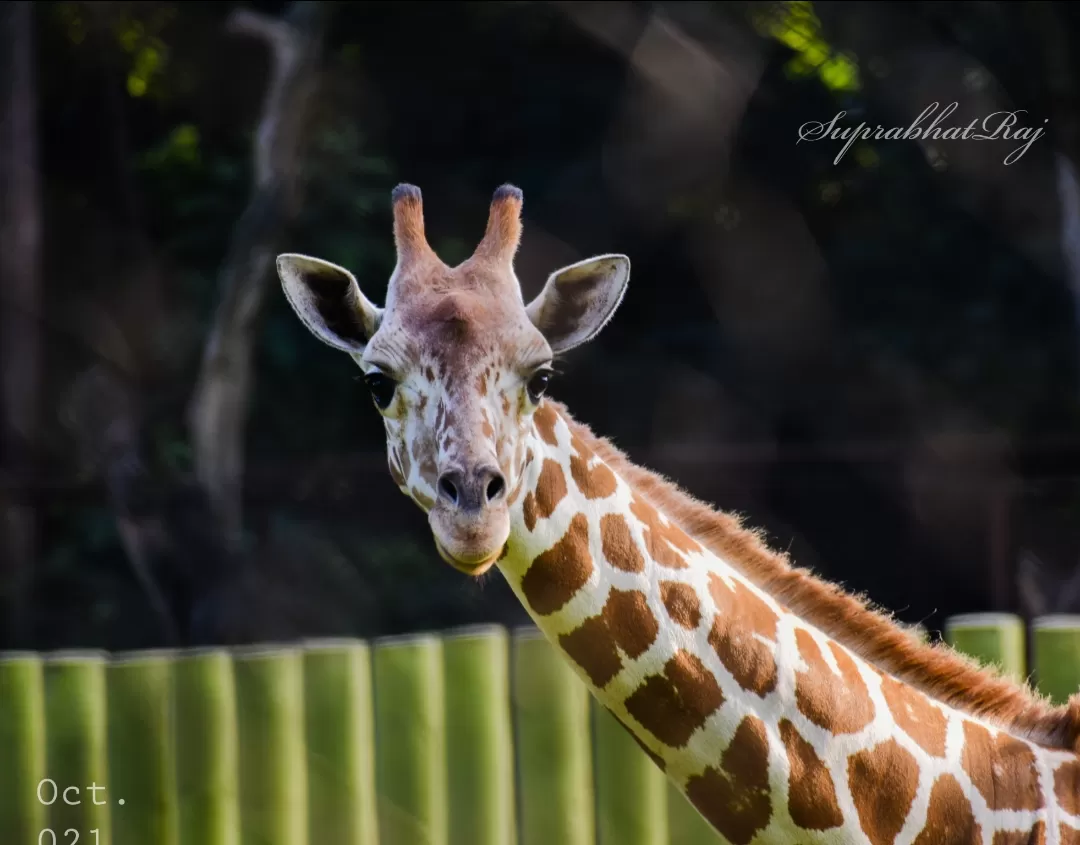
{"type": "Point", "coordinates": [219, 407]}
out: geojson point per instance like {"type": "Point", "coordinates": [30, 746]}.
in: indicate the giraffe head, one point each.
{"type": "Point", "coordinates": [457, 362]}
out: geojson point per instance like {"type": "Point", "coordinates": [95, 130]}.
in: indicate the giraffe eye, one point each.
{"type": "Point", "coordinates": [538, 384]}
{"type": "Point", "coordinates": [382, 389]}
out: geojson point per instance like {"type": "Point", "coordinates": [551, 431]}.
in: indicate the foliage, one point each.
{"type": "Point", "coordinates": [934, 314]}
{"type": "Point", "coordinates": [795, 25]}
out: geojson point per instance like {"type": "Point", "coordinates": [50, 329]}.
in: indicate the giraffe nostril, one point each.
{"type": "Point", "coordinates": [471, 492]}
{"type": "Point", "coordinates": [447, 488]}
{"type": "Point", "coordinates": [495, 487]}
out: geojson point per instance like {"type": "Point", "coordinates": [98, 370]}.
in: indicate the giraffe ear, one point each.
{"type": "Point", "coordinates": [328, 301]}
{"type": "Point", "coordinates": [578, 300]}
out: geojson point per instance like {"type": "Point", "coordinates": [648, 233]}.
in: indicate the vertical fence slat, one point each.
{"type": "Point", "coordinates": [141, 751]}
{"type": "Point", "coordinates": [206, 748]}
{"type": "Point", "coordinates": [631, 792]}
{"type": "Point", "coordinates": [272, 756]}
{"type": "Point", "coordinates": [338, 710]}
{"type": "Point", "coordinates": [75, 740]}
{"type": "Point", "coordinates": [479, 737]}
{"type": "Point", "coordinates": [992, 638]}
{"type": "Point", "coordinates": [22, 746]}
{"type": "Point", "coordinates": [410, 724]}
{"type": "Point", "coordinates": [686, 826]}
{"type": "Point", "coordinates": [1057, 656]}
{"type": "Point", "coordinates": [551, 712]}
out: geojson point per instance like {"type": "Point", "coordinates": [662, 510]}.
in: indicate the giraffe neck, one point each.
{"type": "Point", "coordinates": [770, 727]}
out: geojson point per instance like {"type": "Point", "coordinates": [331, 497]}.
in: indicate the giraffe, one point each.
{"type": "Point", "coordinates": [786, 709]}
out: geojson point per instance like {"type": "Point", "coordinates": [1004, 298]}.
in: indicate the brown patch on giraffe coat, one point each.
{"type": "Point", "coordinates": [544, 419]}
{"type": "Point", "coordinates": [652, 532]}
{"type": "Point", "coordinates": [671, 532]}
{"type": "Point", "coordinates": [915, 715]}
{"type": "Point", "coordinates": [618, 544]}
{"type": "Point", "coordinates": [595, 483]}
{"type": "Point", "coordinates": [681, 603]}
{"type": "Point", "coordinates": [740, 614]}
{"type": "Point", "coordinates": [557, 574]}
{"type": "Point", "coordinates": [592, 647]}
{"type": "Point", "coordinates": [1068, 834]}
{"type": "Point", "coordinates": [631, 621]}
{"type": "Point", "coordinates": [812, 800]}
{"type": "Point", "coordinates": [740, 602]}
{"type": "Point", "coordinates": [838, 704]}
{"type": "Point", "coordinates": [1035, 836]}
{"type": "Point", "coordinates": [665, 535]}
{"type": "Point", "coordinates": [874, 636]}
{"type": "Point", "coordinates": [949, 816]}
{"type": "Point", "coordinates": [489, 432]}
{"type": "Point", "coordinates": [528, 510]}
{"type": "Point", "coordinates": [481, 383]}
{"type": "Point", "coordinates": [735, 798]}
{"type": "Point", "coordinates": [672, 706]}
{"type": "Point", "coordinates": [626, 623]}
{"type": "Point", "coordinates": [1067, 786]}
{"type": "Point", "coordinates": [550, 488]}
{"type": "Point", "coordinates": [883, 781]}
{"type": "Point", "coordinates": [1002, 769]}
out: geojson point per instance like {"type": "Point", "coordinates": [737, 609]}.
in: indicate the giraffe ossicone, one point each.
{"type": "Point", "coordinates": [786, 710]}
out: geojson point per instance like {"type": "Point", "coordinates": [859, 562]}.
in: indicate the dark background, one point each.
{"type": "Point", "coordinates": [874, 359]}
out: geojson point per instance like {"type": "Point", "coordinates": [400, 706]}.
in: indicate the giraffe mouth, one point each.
{"type": "Point", "coordinates": [475, 568]}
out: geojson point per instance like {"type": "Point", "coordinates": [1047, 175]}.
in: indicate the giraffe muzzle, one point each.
{"type": "Point", "coordinates": [471, 520]}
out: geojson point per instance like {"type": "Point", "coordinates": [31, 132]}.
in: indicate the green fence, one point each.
{"type": "Point", "coordinates": [477, 736]}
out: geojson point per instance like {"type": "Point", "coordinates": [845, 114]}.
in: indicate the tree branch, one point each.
{"type": "Point", "coordinates": [218, 410]}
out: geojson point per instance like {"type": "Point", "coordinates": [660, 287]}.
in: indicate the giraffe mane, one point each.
{"type": "Point", "coordinates": [937, 670]}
